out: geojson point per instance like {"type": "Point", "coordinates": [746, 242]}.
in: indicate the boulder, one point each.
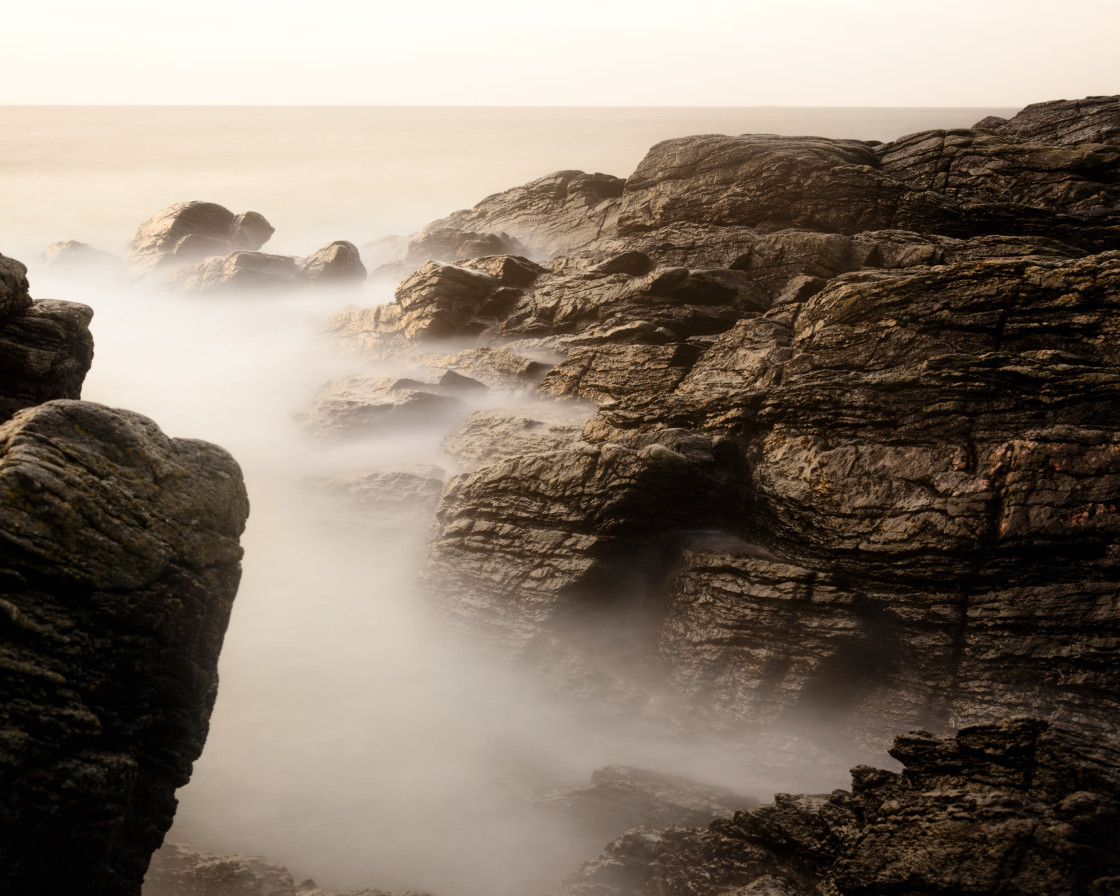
{"type": "Point", "coordinates": [45, 346]}
{"type": "Point", "coordinates": [119, 559]}
{"type": "Point", "coordinates": [337, 262]}
{"type": "Point", "coordinates": [238, 270]}
{"type": "Point", "coordinates": [187, 232]}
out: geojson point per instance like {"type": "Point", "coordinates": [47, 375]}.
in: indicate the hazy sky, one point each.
{"type": "Point", "coordinates": [579, 52]}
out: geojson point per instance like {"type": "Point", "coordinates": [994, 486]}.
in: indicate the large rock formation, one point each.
{"type": "Point", "coordinates": [119, 562]}
{"type": "Point", "coordinates": [118, 565]}
{"type": "Point", "coordinates": [856, 450]}
{"type": "Point", "coordinates": [45, 346]}
{"type": "Point", "coordinates": [1016, 807]}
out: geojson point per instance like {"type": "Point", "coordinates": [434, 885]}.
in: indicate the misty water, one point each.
{"type": "Point", "coordinates": [354, 740]}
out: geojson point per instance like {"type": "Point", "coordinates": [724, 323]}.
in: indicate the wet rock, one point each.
{"type": "Point", "coordinates": [608, 373]}
{"type": "Point", "coordinates": [190, 231]}
{"type": "Point", "coordinates": [511, 270]}
{"type": "Point", "coordinates": [45, 346]}
{"type": "Point", "coordinates": [353, 406]}
{"type": "Point", "coordinates": [548, 216]}
{"type": "Point", "coordinates": [337, 262]}
{"type": "Point", "coordinates": [1018, 806]}
{"type": "Point", "coordinates": [119, 561]}
{"type": "Point", "coordinates": [498, 368]}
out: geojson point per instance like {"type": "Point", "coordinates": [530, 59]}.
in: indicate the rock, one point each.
{"type": "Point", "coordinates": [548, 216]}
{"type": "Point", "coordinates": [337, 262]}
{"type": "Point", "coordinates": [1018, 806]}
{"type": "Point", "coordinates": [45, 346]}
{"type": "Point", "coordinates": [488, 436]}
{"type": "Point", "coordinates": [511, 270]}
{"type": "Point", "coordinates": [119, 561]}
{"type": "Point", "coordinates": [180, 870]}
{"type": "Point", "coordinates": [239, 270]}
{"type": "Point", "coordinates": [354, 406]}
{"type": "Point", "coordinates": [81, 258]}
{"type": "Point", "coordinates": [448, 244]}
{"type": "Point", "coordinates": [611, 372]}
{"type": "Point", "coordinates": [634, 263]}
{"type": "Point", "coordinates": [190, 231]}
{"type": "Point", "coordinates": [498, 368]}
{"type": "Point", "coordinates": [1094, 119]}
{"type": "Point", "coordinates": [621, 798]}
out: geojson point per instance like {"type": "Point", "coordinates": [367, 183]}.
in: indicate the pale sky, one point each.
{"type": "Point", "coordinates": [579, 52]}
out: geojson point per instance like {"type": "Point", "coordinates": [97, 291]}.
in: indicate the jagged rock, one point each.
{"type": "Point", "coordinates": [487, 436]}
{"type": "Point", "coordinates": [119, 562]}
{"type": "Point", "coordinates": [45, 346]}
{"type": "Point", "coordinates": [239, 270]}
{"type": "Point", "coordinates": [352, 406]}
{"type": "Point", "coordinates": [511, 270]}
{"type": "Point", "coordinates": [189, 231]}
{"type": "Point", "coordinates": [608, 373]}
{"type": "Point", "coordinates": [81, 258]}
{"type": "Point", "coordinates": [621, 798]}
{"type": "Point", "coordinates": [1014, 807]}
{"type": "Point", "coordinates": [549, 216]}
{"type": "Point", "coordinates": [1094, 119]}
{"type": "Point", "coordinates": [337, 262]}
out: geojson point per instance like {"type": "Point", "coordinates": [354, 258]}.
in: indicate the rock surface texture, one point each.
{"type": "Point", "coordinates": [119, 561]}
{"type": "Point", "coordinates": [856, 451]}
{"type": "Point", "coordinates": [1016, 807]}
{"type": "Point", "coordinates": [45, 346]}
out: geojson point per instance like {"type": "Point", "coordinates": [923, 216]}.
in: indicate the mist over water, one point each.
{"type": "Point", "coordinates": [354, 739]}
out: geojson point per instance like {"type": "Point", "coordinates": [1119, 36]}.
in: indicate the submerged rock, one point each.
{"type": "Point", "coordinates": [119, 561]}
{"type": "Point", "coordinates": [239, 270]}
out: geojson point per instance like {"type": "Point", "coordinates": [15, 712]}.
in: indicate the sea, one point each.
{"type": "Point", "coordinates": [354, 740]}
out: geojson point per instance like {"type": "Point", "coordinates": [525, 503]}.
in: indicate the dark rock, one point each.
{"type": "Point", "coordinates": [619, 371]}
{"type": "Point", "coordinates": [1014, 807]}
{"type": "Point", "coordinates": [45, 346]}
{"type": "Point", "coordinates": [511, 270]}
{"type": "Point", "coordinates": [118, 562]}
{"type": "Point", "coordinates": [337, 262]}
{"type": "Point", "coordinates": [1094, 119]}
{"type": "Point", "coordinates": [548, 216]}
{"type": "Point", "coordinates": [190, 231]}
{"type": "Point", "coordinates": [636, 264]}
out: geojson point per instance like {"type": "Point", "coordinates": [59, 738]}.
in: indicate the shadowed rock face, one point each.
{"type": "Point", "coordinates": [118, 566]}
{"type": "Point", "coordinates": [45, 346]}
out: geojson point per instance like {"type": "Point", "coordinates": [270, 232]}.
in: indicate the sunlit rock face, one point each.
{"type": "Point", "coordinates": [187, 232]}
{"type": "Point", "coordinates": [856, 444]}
